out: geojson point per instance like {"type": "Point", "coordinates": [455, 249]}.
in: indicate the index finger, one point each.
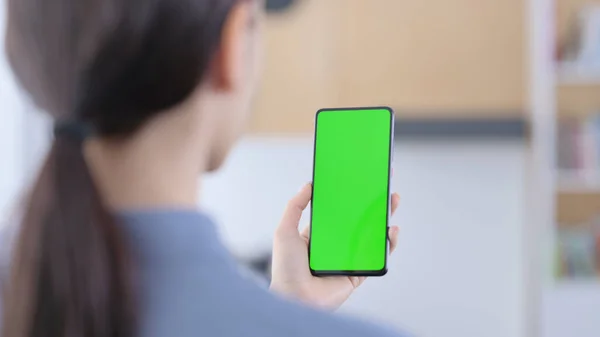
{"type": "Point", "coordinates": [295, 207]}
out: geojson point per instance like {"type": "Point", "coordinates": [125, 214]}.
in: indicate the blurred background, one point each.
{"type": "Point", "coordinates": [497, 156]}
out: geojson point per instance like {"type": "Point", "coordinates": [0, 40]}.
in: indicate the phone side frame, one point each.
{"type": "Point", "coordinates": [384, 270]}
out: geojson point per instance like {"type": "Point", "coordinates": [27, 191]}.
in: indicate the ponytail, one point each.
{"type": "Point", "coordinates": [116, 64]}
{"type": "Point", "coordinates": [69, 272]}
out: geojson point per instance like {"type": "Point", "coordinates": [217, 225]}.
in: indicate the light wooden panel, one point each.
{"type": "Point", "coordinates": [300, 69]}
{"type": "Point", "coordinates": [435, 55]}
{"type": "Point", "coordinates": [433, 58]}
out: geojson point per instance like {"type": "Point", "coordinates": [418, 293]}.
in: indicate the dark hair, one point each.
{"type": "Point", "coordinates": [110, 65]}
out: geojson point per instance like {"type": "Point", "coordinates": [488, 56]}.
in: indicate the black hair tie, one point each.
{"type": "Point", "coordinates": [75, 130]}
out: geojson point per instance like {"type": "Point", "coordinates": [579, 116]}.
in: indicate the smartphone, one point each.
{"type": "Point", "coordinates": [350, 208]}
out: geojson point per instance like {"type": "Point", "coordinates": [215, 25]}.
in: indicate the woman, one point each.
{"type": "Point", "coordinates": [147, 94]}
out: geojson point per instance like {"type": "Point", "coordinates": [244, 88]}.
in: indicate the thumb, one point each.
{"type": "Point", "coordinates": [294, 209]}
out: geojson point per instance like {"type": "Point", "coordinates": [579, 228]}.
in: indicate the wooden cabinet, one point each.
{"type": "Point", "coordinates": [427, 59]}
{"type": "Point", "coordinates": [301, 73]}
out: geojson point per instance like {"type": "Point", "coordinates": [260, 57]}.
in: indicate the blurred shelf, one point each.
{"type": "Point", "coordinates": [583, 226]}
{"type": "Point", "coordinates": [577, 206]}
{"type": "Point", "coordinates": [577, 181]}
{"type": "Point", "coordinates": [570, 306]}
{"type": "Point", "coordinates": [577, 101]}
{"type": "Point", "coordinates": [578, 286]}
{"type": "Point", "coordinates": [568, 73]}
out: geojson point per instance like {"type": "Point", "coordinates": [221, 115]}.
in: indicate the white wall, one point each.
{"type": "Point", "coordinates": [11, 127]}
{"type": "Point", "coordinates": [457, 271]}
{"type": "Point", "coordinates": [571, 310]}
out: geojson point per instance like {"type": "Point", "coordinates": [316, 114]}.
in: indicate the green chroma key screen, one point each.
{"type": "Point", "coordinates": [351, 191]}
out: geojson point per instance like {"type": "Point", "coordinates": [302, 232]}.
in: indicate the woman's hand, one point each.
{"type": "Point", "coordinates": [290, 271]}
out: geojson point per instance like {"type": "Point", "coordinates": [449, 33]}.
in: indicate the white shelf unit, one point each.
{"type": "Point", "coordinates": [577, 181]}
{"type": "Point", "coordinates": [579, 287]}
{"type": "Point", "coordinates": [541, 187]}
{"type": "Point", "coordinates": [570, 73]}
{"type": "Point", "coordinates": [556, 308]}
{"type": "Point", "coordinates": [571, 309]}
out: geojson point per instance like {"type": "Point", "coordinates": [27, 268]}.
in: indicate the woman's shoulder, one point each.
{"type": "Point", "coordinates": [296, 319]}
{"type": "Point", "coordinates": [224, 303]}
{"type": "Point", "coordinates": [190, 283]}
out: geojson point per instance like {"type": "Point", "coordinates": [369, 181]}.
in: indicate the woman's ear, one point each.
{"type": "Point", "coordinates": [229, 61]}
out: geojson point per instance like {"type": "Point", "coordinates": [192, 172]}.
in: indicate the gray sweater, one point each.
{"type": "Point", "coordinates": [191, 287]}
